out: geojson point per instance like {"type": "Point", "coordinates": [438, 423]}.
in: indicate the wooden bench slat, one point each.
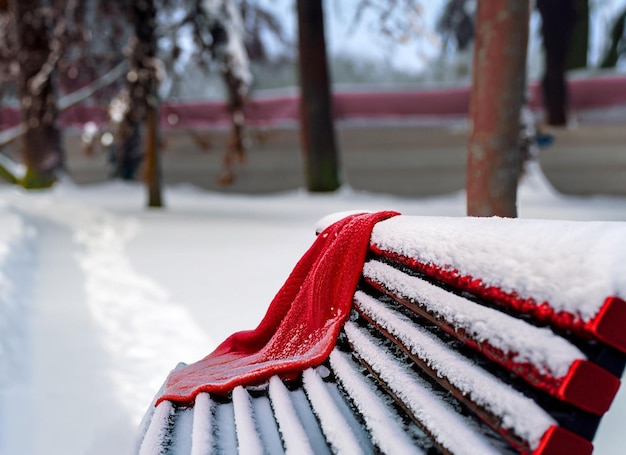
{"type": "Point", "coordinates": [608, 326]}
{"type": "Point", "coordinates": [489, 258]}
{"type": "Point", "coordinates": [158, 435]}
{"type": "Point", "coordinates": [291, 429]}
{"type": "Point", "coordinates": [266, 421]}
{"type": "Point", "coordinates": [182, 429]}
{"type": "Point", "coordinates": [518, 418]}
{"type": "Point", "coordinates": [381, 422]}
{"type": "Point", "coordinates": [340, 434]}
{"type": "Point", "coordinates": [545, 360]}
{"type": "Point", "coordinates": [226, 436]}
{"type": "Point", "coordinates": [248, 435]}
{"type": "Point", "coordinates": [558, 441]}
{"type": "Point", "coordinates": [452, 432]}
{"type": "Point", "coordinates": [308, 420]}
{"type": "Point", "coordinates": [202, 431]}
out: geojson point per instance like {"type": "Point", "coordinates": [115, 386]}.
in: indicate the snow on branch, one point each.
{"type": "Point", "coordinates": [225, 26]}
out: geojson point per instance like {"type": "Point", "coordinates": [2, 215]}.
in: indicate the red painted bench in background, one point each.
{"type": "Point", "coordinates": [465, 335]}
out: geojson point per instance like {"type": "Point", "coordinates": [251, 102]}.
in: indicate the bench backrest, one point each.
{"type": "Point", "coordinates": [466, 336]}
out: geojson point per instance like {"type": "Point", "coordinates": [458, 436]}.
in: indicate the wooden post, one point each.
{"type": "Point", "coordinates": [316, 112]}
{"type": "Point", "coordinates": [498, 85]}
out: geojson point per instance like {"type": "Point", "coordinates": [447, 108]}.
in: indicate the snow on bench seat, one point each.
{"type": "Point", "coordinates": [478, 388]}
{"type": "Point", "coordinates": [536, 354]}
{"type": "Point", "coordinates": [465, 336]}
{"type": "Point", "coordinates": [570, 275]}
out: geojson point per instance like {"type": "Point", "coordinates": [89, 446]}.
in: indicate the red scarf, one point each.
{"type": "Point", "coordinates": [301, 325]}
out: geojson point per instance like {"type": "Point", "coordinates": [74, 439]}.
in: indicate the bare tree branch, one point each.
{"type": "Point", "coordinates": [11, 134]}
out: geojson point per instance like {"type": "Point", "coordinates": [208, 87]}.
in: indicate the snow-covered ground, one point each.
{"type": "Point", "coordinates": [100, 298]}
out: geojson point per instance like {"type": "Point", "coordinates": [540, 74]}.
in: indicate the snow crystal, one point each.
{"type": "Point", "coordinates": [524, 342]}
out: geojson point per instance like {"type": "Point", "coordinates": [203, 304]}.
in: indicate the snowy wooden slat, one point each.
{"type": "Point", "coordinates": [265, 422]}
{"type": "Point", "coordinates": [547, 360]}
{"type": "Point", "coordinates": [539, 346]}
{"type": "Point", "coordinates": [335, 427]}
{"type": "Point", "coordinates": [182, 430]}
{"type": "Point", "coordinates": [575, 265]}
{"type": "Point", "coordinates": [308, 420]}
{"type": "Point", "coordinates": [291, 430]}
{"type": "Point", "coordinates": [249, 421]}
{"type": "Point", "coordinates": [451, 431]}
{"type": "Point", "coordinates": [381, 423]}
{"type": "Point", "coordinates": [576, 270]}
{"type": "Point", "coordinates": [202, 432]}
{"type": "Point", "coordinates": [511, 409]}
{"type": "Point", "coordinates": [226, 433]}
{"type": "Point", "coordinates": [248, 439]}
{"type": "Point", "coordinates": [158, 434]}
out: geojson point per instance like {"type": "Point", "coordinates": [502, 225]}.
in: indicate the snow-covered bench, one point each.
{"type": "Point", "coordinates": [465, 336]}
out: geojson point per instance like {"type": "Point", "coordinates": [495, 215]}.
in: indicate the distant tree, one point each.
{"type": "Point", "coordinates": [227, 47]}
{"type": "Point", "coordinates": [75, 64]}
{"type": "Point", "coordinates": [143, 84]}
{"type": "Point", "coordinates": [456, 24]}
{"type": "Point", "coordinates": [219, 39]}
{"type": "Point", "coordinates": [260, 26]}
{"type": "Point", "coordinates": [579, 47]}
{"type": "Point", "coordinates": [86, 38]}
{"type": "Point", "coordinates": [93, 44]}
{"type": "Point", "coordinates": [558, 21]}
{"type": "Point", "coordinates": [617, 44]}
{"type": "Point", "coordinates": [398, 20]}
{"type": "Point", "coordinates": [316, 111]}
{"type": "Point", "coordinates": [498, 87]}
{"type": "Point", "coordinates": [36, 52]}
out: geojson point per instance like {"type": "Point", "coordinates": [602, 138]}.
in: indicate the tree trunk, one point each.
{"type": "Point", "coordinates": [558, 18]}
{"type": "Point", "coordinates": [316, 112]}
{"type": "Point", "coordinates": [41, 143]}
{"type": "Point", "coordinates": [143, 90]}
{"type": "Point", "coordinates": [493, 161]}
{"type": "Point", "coordinates": [152, 162]}
{"type": "Point", "coordinates": [617, 34]}
{"type": "Point", "coordinates": [579, 48]}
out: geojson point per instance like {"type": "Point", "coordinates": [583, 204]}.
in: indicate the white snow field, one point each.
{"type": "Point", "coordinates": [100, 298]}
